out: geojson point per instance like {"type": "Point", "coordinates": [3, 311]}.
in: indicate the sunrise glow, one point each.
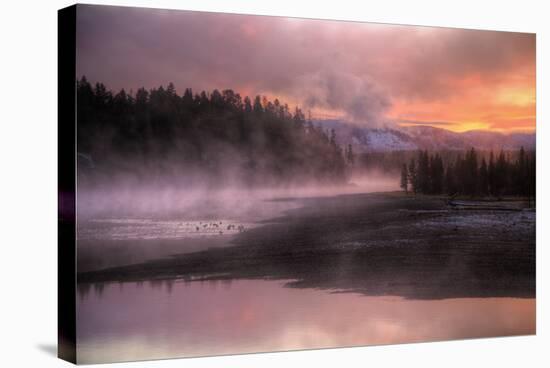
{"type": "Point", "coordinates": [370, 74]}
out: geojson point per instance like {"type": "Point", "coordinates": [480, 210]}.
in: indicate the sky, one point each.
{"type": "Point", "coordinates": [370, 74]}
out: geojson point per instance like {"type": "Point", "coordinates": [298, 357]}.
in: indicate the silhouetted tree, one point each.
{"type": "Point", "coordinates": [413, 176]}
{"type": "Point", "coordinates": [423, 172]}
{"type": "Point", "coordinates": [159, 133]}
{"type": "Point", "coordinates": [491, 169]}
{"type": "Point", "coordinates": [437, 173]}
{"type": "Point", "coordinates": [512, 174]}
{"type": "Point", "coordinates": [404, 178]}
{"type": "Point", "coordinates": [258, 108]}
{"type": "Point", "coordinates": [350, 157]}
{"type": "Point", "coordinates": [483, 180]}
{"type": "Point", "coordinates": [450, 182]}
{"type": "Point", "coordinates": [470, 172]}
{"type": "Point", "coordinates": [501, 173]}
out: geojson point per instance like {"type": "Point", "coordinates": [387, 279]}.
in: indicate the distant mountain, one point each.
{"type": "Point", "coordinates": [424, 137]}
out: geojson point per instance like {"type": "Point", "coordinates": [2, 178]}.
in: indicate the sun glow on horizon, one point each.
{"type": "Point", "coordinates": [370, 74]}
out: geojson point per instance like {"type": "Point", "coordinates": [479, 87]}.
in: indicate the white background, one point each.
{"type": "Point", "coordinates": [28, 187]}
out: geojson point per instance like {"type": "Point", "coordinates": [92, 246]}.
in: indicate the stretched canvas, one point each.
{"type": "Point", "coordinates": [237, 184]}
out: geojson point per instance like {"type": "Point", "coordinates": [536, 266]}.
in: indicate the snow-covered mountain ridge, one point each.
{"type": "Point", "coordinates": [365, 139]}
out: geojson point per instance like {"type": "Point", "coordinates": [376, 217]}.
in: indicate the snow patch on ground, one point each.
{"type": "Point", "coordinates": [133, 229]}
{"type": "Point", "coordinates": [492, 220]}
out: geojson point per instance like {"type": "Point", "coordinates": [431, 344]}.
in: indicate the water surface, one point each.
{"type": "Point", "coordinates": [416, 269]}
{"type": "Point", "coordinates": [160, 319]}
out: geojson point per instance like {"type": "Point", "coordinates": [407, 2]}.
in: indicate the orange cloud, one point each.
{"type": "Point", "coordinates": [370, 73]}
{"type": "Point", "coordinates": [501, 104]}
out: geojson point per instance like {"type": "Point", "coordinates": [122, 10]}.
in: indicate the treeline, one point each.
{"type": "Point", "coordinates": [471, 175]}
{"type": "Point", "coordinates": [216, 136]}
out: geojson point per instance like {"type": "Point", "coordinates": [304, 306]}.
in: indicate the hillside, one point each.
{"type": "Point", "coordinates": [364, 139]}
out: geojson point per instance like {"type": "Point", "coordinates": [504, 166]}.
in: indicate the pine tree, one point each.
{"type": "Point", "coordinates": [258, 108]}
{"type": "Point", "coordinates": [333, 137]}
{"type": "Point", "coordinates": [470, 177]}
{"type": "Point", "coordinates": [436, 174]}
{"type": "Point", "coordinates": [532, 182]}
{"type": "Point", "coordinates": [158, 132]}
{"type": "Point", "coordinates": [491, 174]}
{"type": "Point", "coordinates": [522, 175]}
{"type": "Point", "coordinates": [483, 178]}
{"type": "Point", "coordinates": [350, 158]}
{"type": "Point", "coordinates": [404, 179]}
{"type": "Point", "coordinates": [423, 172]}
{"type": "Point", "coordinates": [413, 176]}
{"type": "Point", "coordinates": [450, 184]}
{"type": "Point", "coordinates": [247, 105]}
{"type": "Point", "coordinates": [501, 175]}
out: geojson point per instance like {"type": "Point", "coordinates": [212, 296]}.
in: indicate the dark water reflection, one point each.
{"type": "Point", "coordinates": [160, 319]}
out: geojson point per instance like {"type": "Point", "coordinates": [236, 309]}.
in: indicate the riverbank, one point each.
{"type": "Point", "coordinates": [374, 244]}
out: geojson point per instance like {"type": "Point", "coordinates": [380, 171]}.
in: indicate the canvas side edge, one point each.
{"type": "Point", "coordinates": [66, 246]}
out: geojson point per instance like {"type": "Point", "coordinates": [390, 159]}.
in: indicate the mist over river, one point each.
{"type": "Point", "coordinates": [191, 273]}
{"type": "Point", "coordinates": [130, 225]}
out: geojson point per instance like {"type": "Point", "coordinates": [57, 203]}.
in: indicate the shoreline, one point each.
{"type": "Point", "coordinates": [374, 244]}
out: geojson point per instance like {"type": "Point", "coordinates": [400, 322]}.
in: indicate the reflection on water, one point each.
{"type": "Point", "coordinates": [160, 319]}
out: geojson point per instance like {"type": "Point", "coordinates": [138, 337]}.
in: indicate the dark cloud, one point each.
{"type": "Point", "coordinates": [355, 68]}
